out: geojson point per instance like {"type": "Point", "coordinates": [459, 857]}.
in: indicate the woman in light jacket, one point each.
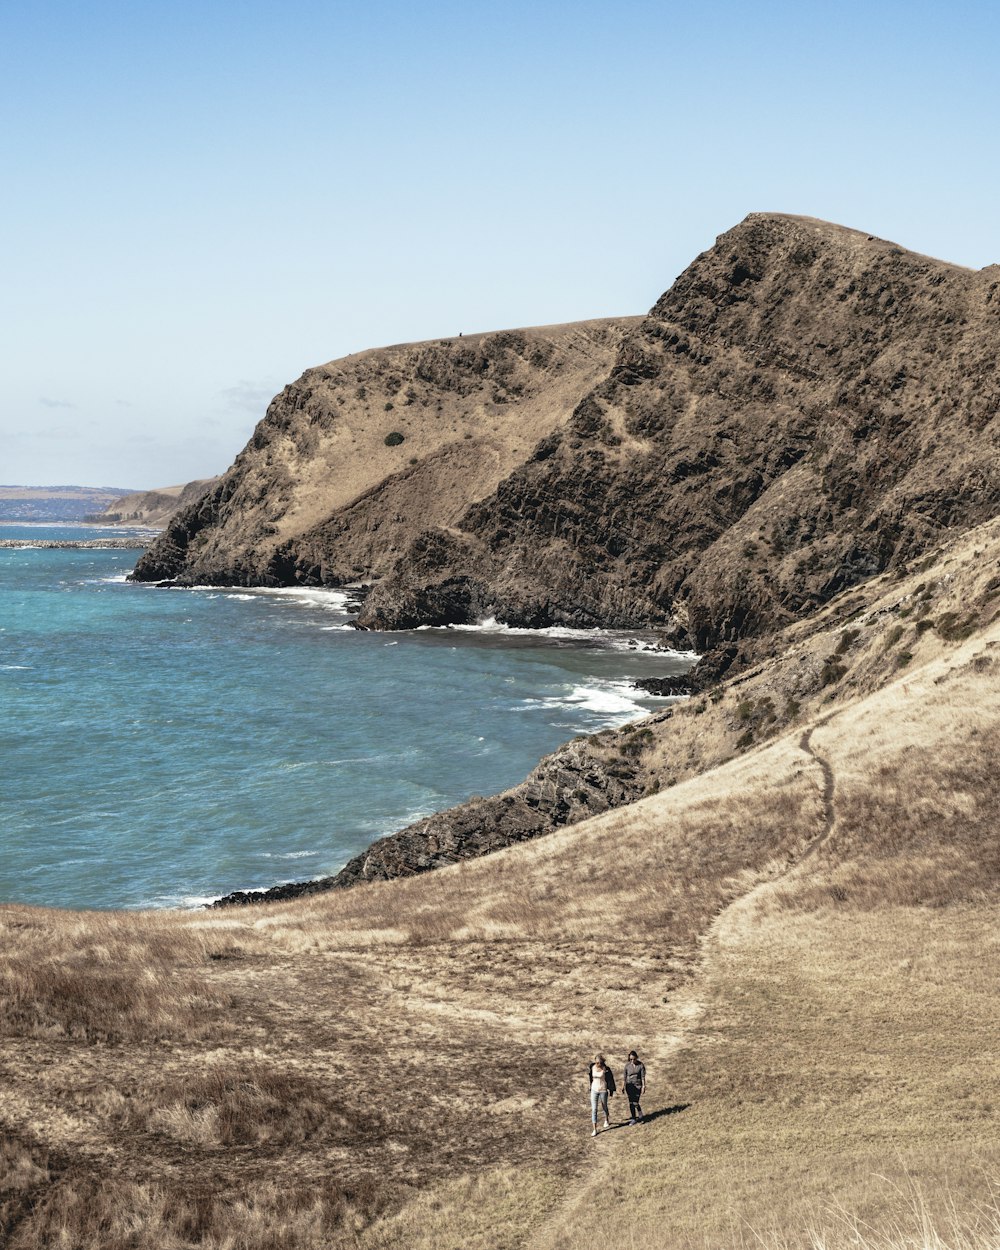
{"type": "Point", "coordinates": [602, 1083]}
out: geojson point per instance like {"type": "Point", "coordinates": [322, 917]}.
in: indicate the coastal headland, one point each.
{"type": "Point", "coordinates": [781, 891]}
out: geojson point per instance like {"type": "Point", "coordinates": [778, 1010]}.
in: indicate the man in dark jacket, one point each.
{"type": "Point", "coordinates": [635, 1085]}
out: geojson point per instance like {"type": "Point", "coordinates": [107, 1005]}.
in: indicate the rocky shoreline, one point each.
{"type": "Point", "coordinates": [583, 778]}
{"type": "Point", "coordinates": [60, 544]}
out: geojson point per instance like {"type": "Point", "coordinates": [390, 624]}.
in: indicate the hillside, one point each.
{"type": "Point", "coordinates": [54, 503]}
{"type": "Point", "coordinates": [799, 940]}
{"type": "Point", "coordinates": [806, 407]}
{"type": "Point", "coordinates": [358, 456]}
{"type": "Point", "coordinates": [152, 508]}
{"type": "Point", "coordinates": [782, 890]}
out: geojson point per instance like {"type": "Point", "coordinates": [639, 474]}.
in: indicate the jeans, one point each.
{"type": "Point", "coordinates": [598, 1099]}
{"type": "Point", "coordinates": [634, 1094]}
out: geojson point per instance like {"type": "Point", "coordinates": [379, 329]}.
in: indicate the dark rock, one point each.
{"type": "Point", "coordinates": [579, 780]}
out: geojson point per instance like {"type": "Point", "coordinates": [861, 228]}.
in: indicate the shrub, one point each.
{"type": "Point", "coordinates": [393, 439]}
{"type": "Point", "coordinates": [847, 639]}
{"type": "Point", "coordinates": [832, 671]}
{"type": "Point", "coordinates": [952, 629]}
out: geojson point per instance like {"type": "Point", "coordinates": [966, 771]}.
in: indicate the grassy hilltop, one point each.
{"type": "Point", "coordinates": [801, 939]}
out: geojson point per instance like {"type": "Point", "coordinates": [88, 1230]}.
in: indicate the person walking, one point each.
{"type": "Point", "coordinates": [635, 1086]}
{"type": "Point", "coordinates": [602, 1083]}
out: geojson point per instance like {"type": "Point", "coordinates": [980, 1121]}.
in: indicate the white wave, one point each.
{"type": "Point", "coordinates": [183, 902]}
{"type": "Point", "coordinates": [237, 596]}
{"type": "Point", "coordinates": [288, 855]}
{"type": "Point", "coordinates": [324, 597]}
{"type": "Point", "coordinates": [12, 668]}
{"type": "Point", "coordinates": [605, 704]}
{"type": "Point", "coordinates": [614, 640]}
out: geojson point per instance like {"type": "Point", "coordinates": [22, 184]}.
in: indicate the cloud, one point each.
{"type": "Point", "coordinates": [250, 396]}
{"type": "Point", "coordinates": [124, 403]}
{"type": "Point", "coordinates": [55, 403]}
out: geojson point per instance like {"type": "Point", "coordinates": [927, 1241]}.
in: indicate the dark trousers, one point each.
{"type": "Point", "coordinates": [634, 1094]}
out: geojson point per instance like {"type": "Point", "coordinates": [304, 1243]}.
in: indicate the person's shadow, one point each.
{"type": "Point", "coordinates": [676, 1109]}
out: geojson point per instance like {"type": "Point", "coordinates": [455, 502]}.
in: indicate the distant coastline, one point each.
{"type": "Point", "coordinates": [67, 544]}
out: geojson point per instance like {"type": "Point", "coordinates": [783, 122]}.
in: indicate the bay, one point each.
{"type": "Point", "coordinates": [163, 747]}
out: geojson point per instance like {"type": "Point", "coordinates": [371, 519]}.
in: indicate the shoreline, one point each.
{"type": "Point", "coordinates": [73, 544]}
{"type": "Point", "coordinates": [612, 662]}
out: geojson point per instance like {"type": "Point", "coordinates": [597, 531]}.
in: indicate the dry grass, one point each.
{"type": "Point", "coordinates": [111, 978]}
{"type": "Point", "coordinates": [402, 1065]}
{"type": "Point", "coordinates": [93, 1214]}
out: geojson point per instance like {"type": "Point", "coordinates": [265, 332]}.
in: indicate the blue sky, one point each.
{"type": "Point", "coordinates": [202, 200]}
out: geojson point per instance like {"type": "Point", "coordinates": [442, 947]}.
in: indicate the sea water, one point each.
{"type": "Point", "coordinates": [162, 747]}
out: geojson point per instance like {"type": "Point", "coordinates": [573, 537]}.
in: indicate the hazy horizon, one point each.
{"type": "Point", "coordinates": [202, 204]}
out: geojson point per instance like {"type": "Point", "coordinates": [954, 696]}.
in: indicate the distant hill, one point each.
{"type": "Point", "coordinates": [55, 503]}
{"type": "Point", "coordinates": [152, 508]}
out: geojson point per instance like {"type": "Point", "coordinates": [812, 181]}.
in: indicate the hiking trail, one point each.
{"type": "Point", "coordinates": [689, 1006]}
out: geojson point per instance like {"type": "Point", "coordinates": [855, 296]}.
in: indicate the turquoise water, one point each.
{"type": "Point", "coordinates": [163, 747]}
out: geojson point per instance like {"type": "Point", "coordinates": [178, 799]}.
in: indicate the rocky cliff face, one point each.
{"type": "Point", "coordinates": [358, 457]}
{"type": "Point", "coordinates": [805, 407]}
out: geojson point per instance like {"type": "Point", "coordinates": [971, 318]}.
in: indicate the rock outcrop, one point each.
{"type": "Point", "coordinates": [581, 779]}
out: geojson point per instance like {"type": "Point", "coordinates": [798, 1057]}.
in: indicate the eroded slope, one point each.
{"type": "Point", "coordinates": [318, 495]}
{"type": "Point", "coordinates": [805, 407]}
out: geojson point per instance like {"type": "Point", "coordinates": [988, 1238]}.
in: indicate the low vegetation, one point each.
{"type": "Point", "coordinates": [799, 936]}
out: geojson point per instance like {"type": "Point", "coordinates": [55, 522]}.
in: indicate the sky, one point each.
{"type": "Point", "coordinates": [201, 200]}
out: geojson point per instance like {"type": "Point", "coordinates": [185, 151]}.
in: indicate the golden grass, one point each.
{"type": "Point", "coordinates": [402, 1065]}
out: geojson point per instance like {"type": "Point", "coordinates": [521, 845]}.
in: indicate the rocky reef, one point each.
{"type": "Point", "coordinates": [581, 779]}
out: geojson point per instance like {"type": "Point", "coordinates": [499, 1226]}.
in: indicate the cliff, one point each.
{"type": "Point", "coordinates": [807, 406]}
{"type": "Point", "coordinates": [358, 457]}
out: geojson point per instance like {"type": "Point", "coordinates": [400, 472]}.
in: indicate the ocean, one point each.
{"type": "Point", "coordinates": [162, 747]}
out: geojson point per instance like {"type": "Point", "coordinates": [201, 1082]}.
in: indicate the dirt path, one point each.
{"type": "Point", "coordinates": [829, 814]}
{"type": "Point", "coordinates": [689, 1007]}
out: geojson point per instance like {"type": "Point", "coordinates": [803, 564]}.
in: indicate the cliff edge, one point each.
{"type": "Point", "coordinates": [359, 456]}
{"type": "Point", "coordinates": [806, 407]}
